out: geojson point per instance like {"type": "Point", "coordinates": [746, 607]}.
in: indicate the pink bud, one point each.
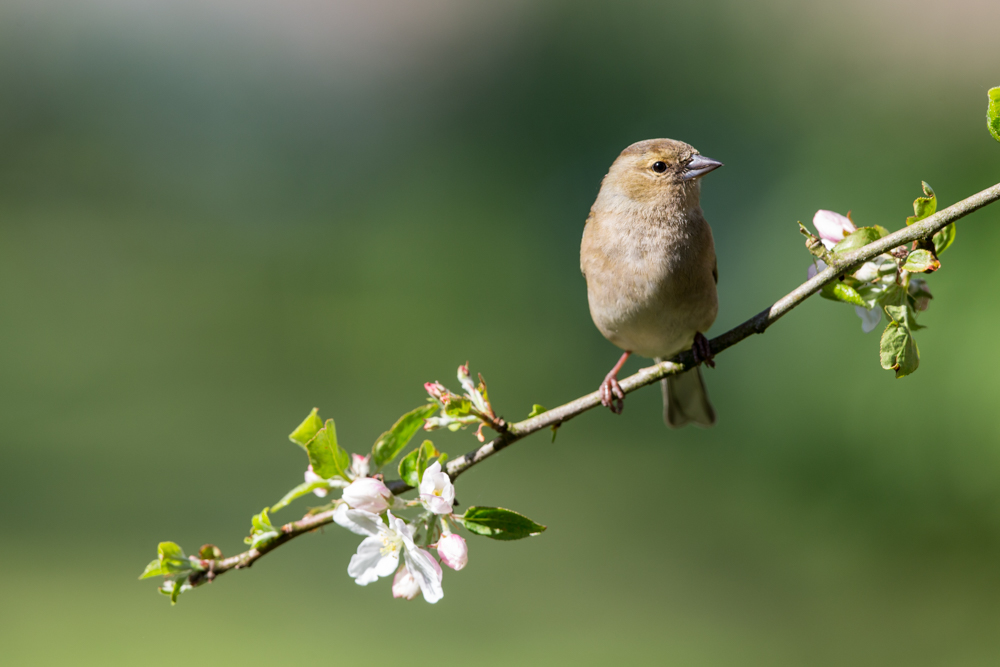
{"type": "Point", "coordinates": [435, 389]}
{"type": "Point", "coordinates": [453, 551]}
{"type": "Point", "coordinates": [359, 465]}
{"type": "Point", "coordinates": [404, 585]}
{"type": "Point", "coordinates": [368, 494]}
{"type": "Point", "coordinates": [832, 227]}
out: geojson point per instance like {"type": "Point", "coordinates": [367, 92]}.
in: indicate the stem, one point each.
{"type": "Point", "coordinates": [839, 264]}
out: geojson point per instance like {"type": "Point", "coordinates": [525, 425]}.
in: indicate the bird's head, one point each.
{"type": "Point", "coordinates": [659, 171]}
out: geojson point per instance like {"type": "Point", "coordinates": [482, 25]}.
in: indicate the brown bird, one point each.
{"type": "Point", "coordinates": [649, 260]}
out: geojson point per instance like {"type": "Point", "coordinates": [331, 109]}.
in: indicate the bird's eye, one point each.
{"type": "Point", "coordinates": [659, 167]}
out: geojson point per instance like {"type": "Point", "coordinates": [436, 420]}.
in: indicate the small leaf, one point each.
{"type": "Point", "coordinates": [923, 207]}
{"type": "Point", "coordinates": [413, 465]}
{"type": "Point", "coordinates": [499, 523]}
{"type": "Point", "coordinates": [152, 570]}
{"type": "Point", "coordinates": [921, 261]}
{"type": "Point", "coordinates": [898, 351]}
{"type": "Point", "coordinates": [859, 238]}
{"type": "Point", "coordinates": [170, 559]}
{"type": "Point", "coordinates": [838, 291]}
{"type": "Point", "coordinates": [303, 489]}
{"type": "Point", "coordinates": [392, 442]}
{"type": "Point", "coordinates": [327, 458]}
{"type": "Point", "coordinates": [944, 238]}
{"type": "Point", "coordinates": [306, 431]}
{"type": "Point", "coordinates": [993, 112]}
{"type": "Point", "coordinates": [458, 407]}
{"type": "Point", "coordinates": [536, 410]}
{"type": "Point", "coordinates": [262, 531]}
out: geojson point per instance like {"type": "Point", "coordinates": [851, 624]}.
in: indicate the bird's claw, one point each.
{"type": "Point", "coordinates": [612, 395]}
{"type": "Point", "coordinates": [702, 350]}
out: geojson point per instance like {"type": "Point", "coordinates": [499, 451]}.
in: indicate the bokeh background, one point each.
{"type": "Point", "coordinates": [217, 215]}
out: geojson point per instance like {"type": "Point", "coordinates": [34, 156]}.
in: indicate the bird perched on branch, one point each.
{"type": "Point", "coordinates": [649, 261]}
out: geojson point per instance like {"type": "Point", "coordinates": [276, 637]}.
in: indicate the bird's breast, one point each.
{"type": "Point", "coordinates": [650, 284]}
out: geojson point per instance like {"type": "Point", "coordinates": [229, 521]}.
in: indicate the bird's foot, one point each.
{"type": "Point", "coordinates": [612, 395]}
{"type": "Point", "coordinates": [702, 350]}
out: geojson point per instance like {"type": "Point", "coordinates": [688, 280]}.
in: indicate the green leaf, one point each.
{"type": "Point", "coordinates": [413, 465]}
{"type": "Point", "coordinates": [944, 238]}
{"type": "Point", "coordinates": [327, 458]}
{"type": "Point", "coordinates": [152, 570]}
{"type": "Point", "coordinates": [993, 112]}
{"type": "Point", "coordinates": [838, 291]}
{"type": "Point", "coordinates": [262, 531]}
{"type": "Point", "coordinates": [170, 559]}
{"type": "Point", "coordinates": [921, 261]}
{"type": "Point", "coordinates": [898, 351]}
{"type": "Point", "coordinates": [306, 431]}
{"type": "Point", "coordinates": [303, 489]}
{"type": "Point", "coordinates": [859, 238]}
{"type": "Point", "coordinates": [923, 207]}
{"type": "Point", "coordinates": [536, 410]}
{"type": "Point", "coordinates": [392, 442]}
{"type": "Point", "coordinates": [499, 523]}
{"type": "Point", "coordinates": [458, 408]}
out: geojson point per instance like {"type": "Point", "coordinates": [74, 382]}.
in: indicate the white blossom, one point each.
{"type": "Point", "coordinates": [378, 554]}
{"type": "Point", "coordinates": [437, 493]}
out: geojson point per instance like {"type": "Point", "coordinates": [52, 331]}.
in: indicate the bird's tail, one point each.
{"type": "Point", "coordinates": [686, 401]}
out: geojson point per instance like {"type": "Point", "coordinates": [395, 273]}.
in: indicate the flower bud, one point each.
{"type": "Point", "coordinates": [404, 585]}
{"type": "Point", "coordinates": [368, 494]}
{"type": "Point", "coordinates": [312, 478]}
{"type": "Point", "coordinates": [359, 465]}
{"type": "Point", "coordinates": [436, 390]}
{"type": "Point", "coordinates": [453, 551]}
{"type": "Point", "coordinates": [832, 227]}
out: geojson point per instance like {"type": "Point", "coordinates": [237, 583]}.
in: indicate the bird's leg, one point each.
{"type": "Point", "coordinates": [612, 395]}
{"type": "Point", "coordinates": [702, 350]}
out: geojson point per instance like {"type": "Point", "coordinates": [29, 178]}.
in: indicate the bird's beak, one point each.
{"type": "Point", "coordinates": [699, 166]}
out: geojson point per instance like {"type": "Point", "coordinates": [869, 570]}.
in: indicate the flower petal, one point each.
{"type": "Point", "coordinates": [404, 585]}
{"type": "Point", "coordinates": [427, 573]}
{"type": "Point", "coordinates": [370, 563]}
{"type": "Point", "coordinates": [358, 522]}
{"type": "Point", "coordinates": [869, 318]}
{"type": "Point", "coordinates": [436, 504]}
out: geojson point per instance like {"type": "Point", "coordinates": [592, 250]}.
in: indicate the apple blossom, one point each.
{"type": "Point", "coordinates": [453, 551]}
{"type": "Point", "coordinates": [832, 227]}
{"type": "Point", "coordinates": [437, 493]}
{"type": "Point", "coordinates": [378, 554]}
{"type": "Point", "coordinates": [404, 585]}
{"type": "Point", "coordinates": [368, 494]}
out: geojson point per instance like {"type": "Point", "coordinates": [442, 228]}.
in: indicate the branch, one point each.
{"type": "Point", "coordinates": [840, 264]}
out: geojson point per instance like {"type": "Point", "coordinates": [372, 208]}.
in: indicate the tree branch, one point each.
{"type": "Point", "coordinates": [839, 265]}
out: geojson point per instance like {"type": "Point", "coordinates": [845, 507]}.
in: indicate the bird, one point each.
{"type": "Point", "coordinates": [648, 258]}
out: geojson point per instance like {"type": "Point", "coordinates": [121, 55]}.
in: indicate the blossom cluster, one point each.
{"type": "Point", "coordinates": [366, 509]}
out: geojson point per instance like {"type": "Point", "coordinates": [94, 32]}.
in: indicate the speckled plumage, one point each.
{"type": "Point", "coordinates": [649, 258]}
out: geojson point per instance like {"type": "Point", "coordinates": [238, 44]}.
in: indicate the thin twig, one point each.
{"type": "Point", "coordinates": [840, 265]}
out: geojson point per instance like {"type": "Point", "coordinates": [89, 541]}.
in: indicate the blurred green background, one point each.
{"type": "Point", "coordinates": [217, 215]}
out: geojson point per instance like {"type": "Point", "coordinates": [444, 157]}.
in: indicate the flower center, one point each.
{"type": "Point", "coordinates": [391, 542]}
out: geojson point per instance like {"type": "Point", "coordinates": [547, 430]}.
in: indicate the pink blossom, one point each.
{"type": "Point", "coordinates": [453, 551]}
